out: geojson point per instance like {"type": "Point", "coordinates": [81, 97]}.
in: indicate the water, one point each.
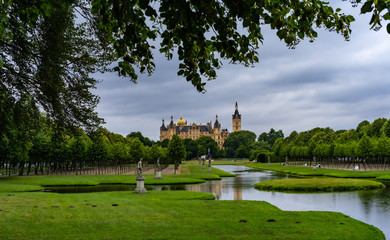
{"type": "Point", "coordinates": [372, 207]}
{"type": "Point", "coordinates": [110, 188]}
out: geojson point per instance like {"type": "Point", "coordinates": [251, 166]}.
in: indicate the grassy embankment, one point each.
{"type": "Point", "coordinates": [191, 174]}
{"type": "Point", "coordinates": [308, 171]}
{"type": "Point", "coordinates": [325, 184]}
{"type": "Point", "coordinates": [165, 215]}
{"type": "Point", "coordinates": [318, 185]}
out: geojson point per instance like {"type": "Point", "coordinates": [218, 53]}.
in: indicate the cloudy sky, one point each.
{"type": "Point", "coordinates": [327, 83]}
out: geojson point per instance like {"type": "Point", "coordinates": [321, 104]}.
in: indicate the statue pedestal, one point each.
{"type": "Point", "coordinates": [140, 185]}
{"type": "Point", "coordinates": [209, 168]}
{"type": "Point", "coordinates": [158, 175]}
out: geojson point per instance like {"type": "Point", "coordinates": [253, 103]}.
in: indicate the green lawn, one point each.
{"type": "Point", "coordinates": [308, 171]}
{"type": "Point", "coordinates": [191, 174]}
{"type": "Point", "coordinates": [318, 185]}
{"type": "Point", "coordinates": [165, 215]}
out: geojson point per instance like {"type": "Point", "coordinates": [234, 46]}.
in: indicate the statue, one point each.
{"type": "Point", "coordinates": [140, 179]}
{"type": "Point", "coordinates": [158, 170]}
{"type": "Point", "coordinates": [139, 168]}
{"type": "Point", "coordinates": [158, 167]}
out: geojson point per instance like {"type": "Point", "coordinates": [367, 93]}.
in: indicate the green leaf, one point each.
{"type": "Point", "coordinates": [150, 12]}
{"type": "Point", "coordinates": [388, 28]}
{"type": "Point", "coordinates": [367, 7]}
{"type": "Point", "coordinates": [386, 16]}
{"type": "Point", "coordinates": [143, 4]}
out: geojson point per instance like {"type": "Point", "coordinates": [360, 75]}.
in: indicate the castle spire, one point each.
{"type": "Point", "coordinates": [171, 123]}
{"type": "Point", "coordinates": [216, 124]}
{"type": "Point", "coordinates": [163, 128]}
{"type": "Point", "coordinates": [236, 120]}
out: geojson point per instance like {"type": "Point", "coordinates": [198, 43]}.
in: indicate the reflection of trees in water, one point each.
{"type": "Point", "coordinates": [379, 198]}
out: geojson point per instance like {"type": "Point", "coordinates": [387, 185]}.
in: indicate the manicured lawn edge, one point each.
{"type": "Point", "coordinates": [20, 188]}
{"type": "Point", "coordinates": [318, 185]}
{"type": "Point", "coordinates": [308, 171]}
{"type": "Point", "coordinates": [191, 174]}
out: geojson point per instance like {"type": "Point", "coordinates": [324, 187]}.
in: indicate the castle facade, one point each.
{"type": "Point", "coordinates": [194, 131]}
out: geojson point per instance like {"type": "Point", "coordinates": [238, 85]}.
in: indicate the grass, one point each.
{"type": "Point", "coordinates": [191, 174]}
{"type": "Point", "coordinates": [308, 171]}
{"type": "Point", "coordinates": [19, 188]}
{"type": "Point", "coordinates": [215, 174]}
{"type": "Point", "coordinates": [318, 185]}
{"type": "Point", "coordinates": [165, 215]}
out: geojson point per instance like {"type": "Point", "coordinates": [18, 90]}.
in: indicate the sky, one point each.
{"type": "Point", "coordinates": [328, 83]}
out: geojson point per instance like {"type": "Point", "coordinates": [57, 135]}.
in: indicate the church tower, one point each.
{"type": "Point", "coordinates": [236, 119]}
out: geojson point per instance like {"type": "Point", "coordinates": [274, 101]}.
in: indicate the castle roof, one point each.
{"type": "Point", "coordinates": [171, 123]}
{"type": "Point", "coordinates": [163, 128]}
{"type": "Point", "coordinates": [181, 121]}
{"type": "Point", "coordinates": [217, 124]}
{"type": "Point", "coordinates": [236, 114]}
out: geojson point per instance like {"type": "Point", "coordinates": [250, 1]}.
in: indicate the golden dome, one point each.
{"type": "Point", "coordinates": [181, 121]}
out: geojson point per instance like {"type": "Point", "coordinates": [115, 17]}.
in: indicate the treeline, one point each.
{"type": "Point", "coordinates": [31, 143]}
{"type": "Point", "coordinates": [99, 152]}
{"type": "Point", "coordinates": [367, 146]}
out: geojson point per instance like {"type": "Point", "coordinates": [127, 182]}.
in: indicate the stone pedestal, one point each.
{"type": "Point", "coordinates": [158, 175]}
{"type": "Point", "coordinates": [140, 185]}
{"type": "Point", "coordinates": [209, 168]}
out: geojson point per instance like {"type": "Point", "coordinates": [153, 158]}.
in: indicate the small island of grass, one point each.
{"type": "Point", "coordinates": [318, 185]}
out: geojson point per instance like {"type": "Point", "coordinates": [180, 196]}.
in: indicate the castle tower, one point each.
{"type": "Point", "coordinates": [236, 120]}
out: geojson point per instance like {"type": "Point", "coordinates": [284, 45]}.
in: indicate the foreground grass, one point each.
{"type": "Point", "coordinates": [165, 215]}
{"type": "Point", "coordinates": [318, 185]}
{"type": "Point", "coordinates": [308, 171]}
{"type": "Point", "coordinates": [191, 174]}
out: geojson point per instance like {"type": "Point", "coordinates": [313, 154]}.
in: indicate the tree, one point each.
{"type": "Point", "coordinates": [201, 150]}
{"type": "Point", "coordinates": [176, 151]}
{"type": "Point", "coordinates": [50, 58]}
{"type": "Point", "coordinates": [270, 137]}
{"type": "Point", "coordinates": [241, 152]}
{"type": "Point", "coordinates": [145, 140]}
{"type": "Point", "coordinates": [191, 148]}
{"type": "Point", "coordinates": [208, 143]}
{"type": "Point", "coordinates": [236, 139]}
{"type": "Point", "coordinates": [365, 147]}
{"type": "Point", "coordinates": [383, 146]}
{"type": "Point", "coordinates": [136, 149]}
{"type": "Point", "coordinates": [375, 128]}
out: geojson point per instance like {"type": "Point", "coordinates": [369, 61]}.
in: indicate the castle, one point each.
{"type": "Point", "coordinates": [194, 131]}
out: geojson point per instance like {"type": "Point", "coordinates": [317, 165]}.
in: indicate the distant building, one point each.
{"type": "Point", "coordinates": [194, 131]}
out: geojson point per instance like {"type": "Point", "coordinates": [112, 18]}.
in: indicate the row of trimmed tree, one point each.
{"type": "Point", "coordinates": [367, 146]}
